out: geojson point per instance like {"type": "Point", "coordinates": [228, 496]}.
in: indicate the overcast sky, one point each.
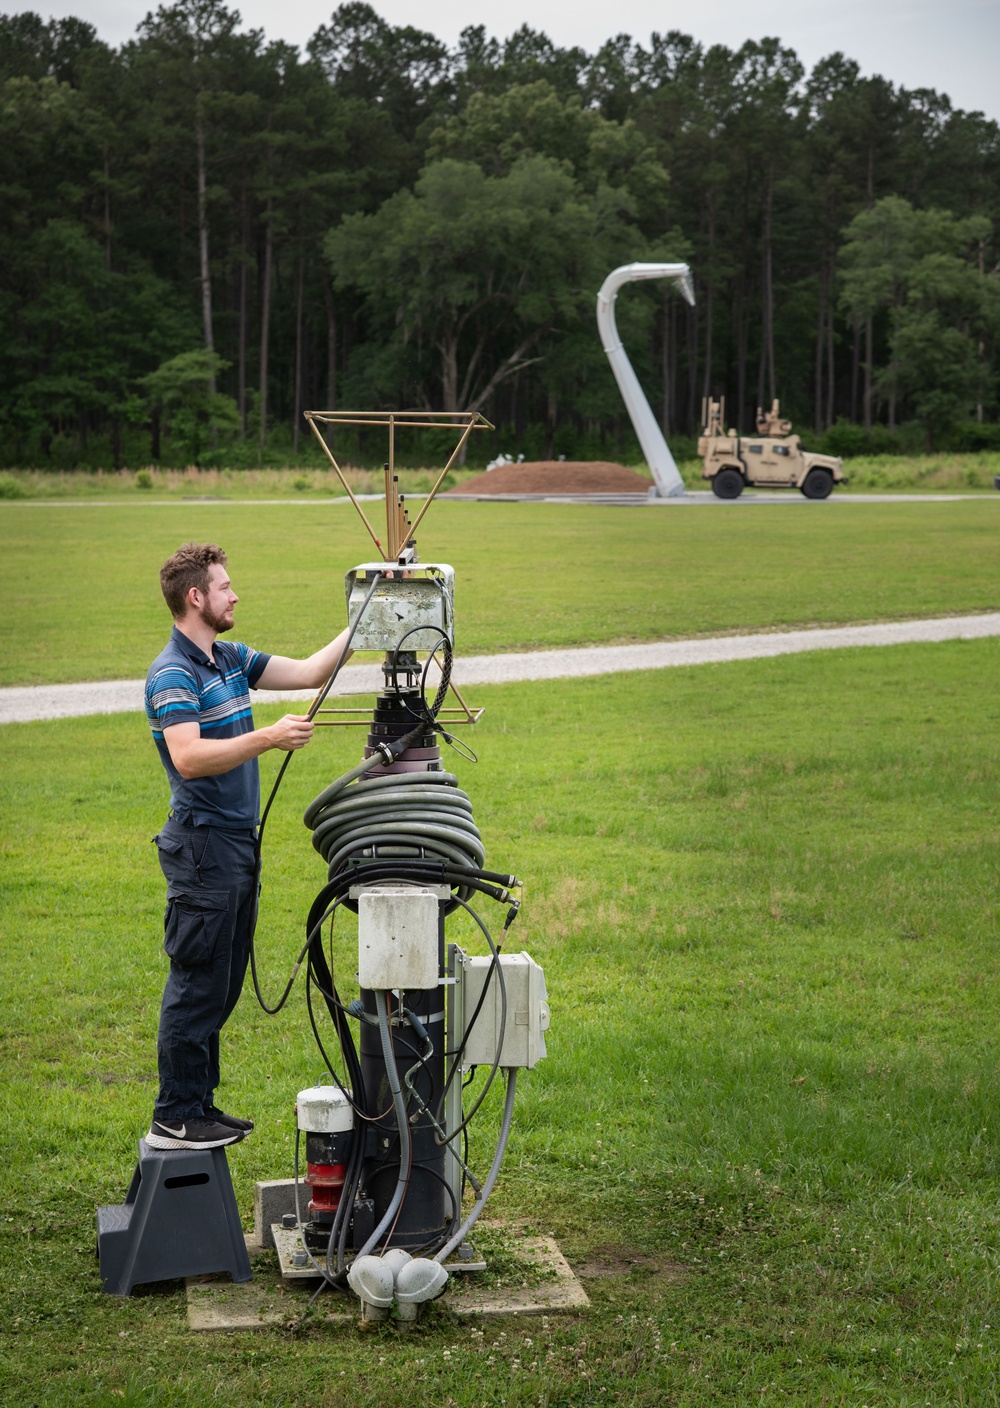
{"type": "Point", "coordinates": [950, 45]}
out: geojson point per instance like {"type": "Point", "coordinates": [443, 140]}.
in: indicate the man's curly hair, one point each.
{"type": "Point", "coordinates": [186, 569]}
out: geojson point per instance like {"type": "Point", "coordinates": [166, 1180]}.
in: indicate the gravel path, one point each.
{"type": "Point", "coordinates": [61, 701]}
{"type": "Point", "coordinates": [692, 498]}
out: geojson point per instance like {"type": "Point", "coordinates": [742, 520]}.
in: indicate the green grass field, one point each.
{"type": "Point", "coordinates": [82, 601]}
{"type": "Point", "coordinates": [764, 895]}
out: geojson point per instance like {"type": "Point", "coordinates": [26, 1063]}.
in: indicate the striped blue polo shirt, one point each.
{"type": "Point", "coordinates": [185, 685]}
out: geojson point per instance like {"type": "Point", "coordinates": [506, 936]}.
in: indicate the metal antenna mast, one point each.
{"type": "Point", "coordinates": [668, 481]}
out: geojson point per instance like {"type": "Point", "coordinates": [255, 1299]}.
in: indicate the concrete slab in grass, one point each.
{"type": "Point", "coordinates": [548, 1287]}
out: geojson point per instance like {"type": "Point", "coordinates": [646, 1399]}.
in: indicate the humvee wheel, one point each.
{"type": "Point", "coordinates": [727, 484]}
{"type": "Point", "coordinates": [818, 484]}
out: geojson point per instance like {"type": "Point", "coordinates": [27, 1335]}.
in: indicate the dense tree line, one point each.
{"type": "Point", "coordinates": [204, 233]}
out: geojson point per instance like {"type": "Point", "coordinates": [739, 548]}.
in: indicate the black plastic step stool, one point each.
{"type": "Point", "coordinates": [179, 1218]}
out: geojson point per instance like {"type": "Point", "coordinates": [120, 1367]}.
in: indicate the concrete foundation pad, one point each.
{"type": "Point", "coordinates": [543, 1284]}
{"type": "Point", "coordinates": [222, 1305]}
{"type": "Point", "coordinates": [549, 1286]}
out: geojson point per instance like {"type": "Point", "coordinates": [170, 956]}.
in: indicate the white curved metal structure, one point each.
{"type": "Point", "coordinates": [668, 481]}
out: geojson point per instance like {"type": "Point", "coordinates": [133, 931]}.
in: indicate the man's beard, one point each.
{"type": "Point", "coordinates": [216, 623]}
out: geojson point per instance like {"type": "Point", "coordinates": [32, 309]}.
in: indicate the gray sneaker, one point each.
{"type": "Point", "coordinates": [191, 1134]}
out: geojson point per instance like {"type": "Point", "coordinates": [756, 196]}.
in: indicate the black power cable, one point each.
{"type": "Point", "coordinates": [259, 842]}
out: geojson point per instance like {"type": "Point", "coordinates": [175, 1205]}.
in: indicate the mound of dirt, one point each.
{"type": "Point", "coordinates": [555, 477]}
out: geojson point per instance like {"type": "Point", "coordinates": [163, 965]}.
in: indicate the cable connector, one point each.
{"type": "Point", "coordinates": [418, 1026]}
{"type": "Point", "coordinates": [515, 905]}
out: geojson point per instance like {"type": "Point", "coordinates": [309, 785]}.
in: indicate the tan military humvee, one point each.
{"type": "Point", "coordinates": [772, 459]}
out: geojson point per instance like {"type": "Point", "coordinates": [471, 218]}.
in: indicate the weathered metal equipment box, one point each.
{"type": "Point", "coordinates": [412, 606]}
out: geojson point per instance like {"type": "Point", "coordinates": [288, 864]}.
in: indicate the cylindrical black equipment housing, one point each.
{"type": "Point", "coordinates": [329, 1148]}
{"type": "Point", "coordinates": [426, 1211]}
{"type": "Point", "coordinates": [397, 713]}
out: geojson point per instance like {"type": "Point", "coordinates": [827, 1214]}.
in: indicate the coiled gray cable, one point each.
{"type": "Point", "coordinates": [398, 816]}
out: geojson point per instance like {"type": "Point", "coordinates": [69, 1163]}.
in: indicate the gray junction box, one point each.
{"type": "Point", "coordinates": [522, 1040]}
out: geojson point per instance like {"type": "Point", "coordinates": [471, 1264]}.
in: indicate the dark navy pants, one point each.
{"type": "Point", "coordinates": [211, 902]}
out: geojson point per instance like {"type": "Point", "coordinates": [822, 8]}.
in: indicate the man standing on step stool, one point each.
{"type": "Point", "coordinates": [198, 707]}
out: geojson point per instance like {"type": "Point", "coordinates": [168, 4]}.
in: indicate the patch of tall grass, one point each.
{"type": "Point", "coordinates": [954, 472]}
{"type": "Point", "coordinates": [155, 482]}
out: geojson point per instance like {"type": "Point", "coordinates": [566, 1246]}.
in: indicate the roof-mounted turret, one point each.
{"type": "Point", "coordinates": [772, 423]}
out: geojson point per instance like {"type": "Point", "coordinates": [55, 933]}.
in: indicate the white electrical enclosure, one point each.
{"type": "Point", "coordinates": [414, 598]}
{"type": "Point", "coordinates": [398, 937]}
{"type": "Point", "coordinates": [324, 1109]}
{"type": "Point", "coordinates": [523, 1038]}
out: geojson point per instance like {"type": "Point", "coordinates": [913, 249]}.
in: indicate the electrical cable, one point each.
{"type": "Point", "coordinates": [508, 1114]}
{"type": "Point", "coordinates": [401, 1123]}
{"type": "Point", "coordinates": [429, 713]}
{"type": "Point", "coordinates": [419, 871]}
{"type": "Point", "coordinates": [496, 967]}
{"type": "Point", "coordinates": [319, 971]}
{"type": "Point", "coordinates": [259, 839]}
{"type": "Point", "coordinates": [405, 1180]}
{"type": "Point", "coordinates": [453, 1220]}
